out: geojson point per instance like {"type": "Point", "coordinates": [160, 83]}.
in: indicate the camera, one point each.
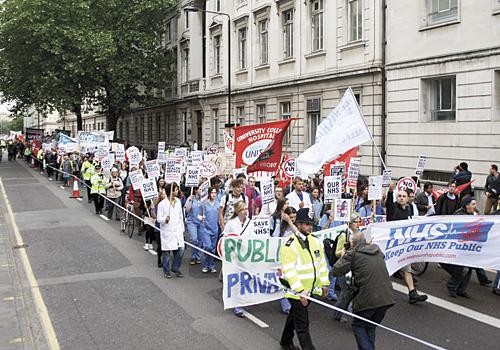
{"type": "Point", "coordinates": [347, 245]}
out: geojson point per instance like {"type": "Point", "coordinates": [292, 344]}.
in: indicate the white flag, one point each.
{"type": "Point", "coordinates": [343, 129]}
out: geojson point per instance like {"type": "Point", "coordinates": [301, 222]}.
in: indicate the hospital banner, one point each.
{"type": "Point", "coordinates": [460, 239]}
{"type": "Point", "coordinates": [251, 268]}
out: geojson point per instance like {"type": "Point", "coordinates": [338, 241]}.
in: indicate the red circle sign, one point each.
{"type": "Point", "coordinates": [289, 167]}
{"type": "Point", "coordinates": [406, 183]}
{"type": "Point", "coordinates": [221, 241]}
{"type": "Point", "coordinates": [208, 169]}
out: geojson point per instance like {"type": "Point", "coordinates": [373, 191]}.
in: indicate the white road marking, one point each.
{"type": "Point", "coordinates": [61, 187]}
{"type": "Point", "coordinates": [104, 217]}
{"type": "Point", "coordinates": [50, 179]}
{"type": "Point", "coordinates": [461, 310]}
{"type": "Point", "coordinates": [255, 320]}
{"type": "Point", "coordinates": [78, 199]}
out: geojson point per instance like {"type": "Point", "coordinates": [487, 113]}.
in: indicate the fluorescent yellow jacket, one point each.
{"type": "Point", "coordinates": [88, 170]}
{"type": "Point", "coordinates": [98, 182]}
{"type": "Point", "coordinates": [304, 266]}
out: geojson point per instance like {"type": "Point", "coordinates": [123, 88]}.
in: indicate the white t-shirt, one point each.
{"type": "Point", "coordinates": [235, 226]}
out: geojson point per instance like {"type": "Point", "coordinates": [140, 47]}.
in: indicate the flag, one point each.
{"type": "Point", "coordinates": [345, 158]}
{"type": "Point", "coordinates": [228, 143]}
{"type": "Point", "coordinates": [343, 129]}
{"type": "Point", "coordinates": [438, 193]}
{"type": "Point", "coordinates": [259, 147]}
{"type": "Point", "coordinates": [67, 144]}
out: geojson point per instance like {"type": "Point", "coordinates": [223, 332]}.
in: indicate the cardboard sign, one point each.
{"type": "Point", "coordinates": [180, 152]}
{"type": "Point", "coordinates": [261, 227]}
{"type": "Point", "coordinates": [406, 183]}
{"type": "Point", "coordinates": [420, 165]}
{"type": "Point", "coordinates": [204, 190]}
{"type": "Point", "coordinates": [332, 188]}
{"type": "Point", "coordinates": [148, 189]}
{"type": "Point", "coordinates": [267, 190]}
{"type": "Point", "coordinates": [136, 178]}
{"type": "Point", "coordinates": [120, 152]}
{"type": "Point", "coordinates": [196, 158]}
{"type": "Point", "coordinates": [342, 210]}
{"type": "Point", "coordinates": [337, 169]}
{"type": "Point", "coordinates": [106, 163]}
{"type": "Point", "coordinates": [375, 187]}
{"type": "Point", "coordinates": [134, 156]}
{"type": "Point", "coordinates": [192, 176]}
{"type": "Point", "coordinates": [353, 172]}
{"type": "Point", "coordinates": [161, 146]}
{"type": "Point", "coordinates": [207, 169]}
{"type": "Point", "coordinates": [289, 167]}
{"type": "Point", "coordinates": [152, 168]}
{"type": "Point", "coordinates": [387, 178]}
{"type": "Point", "coordinates": [173, 170]}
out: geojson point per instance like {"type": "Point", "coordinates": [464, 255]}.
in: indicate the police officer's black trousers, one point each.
{"type": "Point", "coordinates": [298, 320]}
{"type": "Point", "coordinates": [89, 185]}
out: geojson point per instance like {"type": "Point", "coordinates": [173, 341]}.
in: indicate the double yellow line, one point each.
{"type": "Point", "coordinates": [41, 308]}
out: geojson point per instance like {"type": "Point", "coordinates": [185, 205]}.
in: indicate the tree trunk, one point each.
{"type": "Point", "coordinates": [77, 109]}
{"type": "Point", "coordinates": [111, 120]}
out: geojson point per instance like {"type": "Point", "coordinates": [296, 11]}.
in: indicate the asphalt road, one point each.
{"type": "Point", "coordinates": [103, 291]}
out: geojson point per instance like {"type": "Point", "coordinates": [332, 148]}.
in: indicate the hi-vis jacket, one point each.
{"type": "Point", "coordinates": [98, 182]}
{"type": "Point", "coordinates": [88, 170]}
{"type": "Point", "coordinates": [304, 266]}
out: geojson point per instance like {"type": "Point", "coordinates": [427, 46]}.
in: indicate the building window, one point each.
{"type": "Point", "coordinates": [261, 113]}
{"type": "Point", "coordinates": [264, 41]}
{"type": "Point", "coordinates": [286, 113]}
{"type": "Point", "coordinates": [313, 118]}
{"type": "Point", "coordinates": [288, 34]}
{"type": "Point", "coordinates": [185, 65]}
{"type": "Point", "coordinates": [215, 125]}
{"type": "Point", "coordinates": [150, 127]}
{"type": "Point", "coordinates": [317, 25]}
{"type": "Point", "coordinates": [242, 48]}
{"type": "Point", "coordinates": [216, 43]}
{"type": "Point", "coordinates": [439, 11]}
{"type": "Point", "coordinates": [240, 114]}
{"type": "Point", "coordinates": [355, 18]}
{"type": "Point", "coordinates": [443, 98]}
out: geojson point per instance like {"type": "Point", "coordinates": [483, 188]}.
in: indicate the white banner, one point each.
{"type": "Point", "coordinates": [136, 179]}
{"type": "Point", "coordinates": [251, 267]}
{"type": "Point", "coordinates": [152, 168]}
{"type": "Point", "coordinates": [148, 189]}
{"type": "Point", "coordinates": [192, 176]}
{"type": "Point", "coordinates": [460, 239]}
{"type": "Point", "coordinates": [267, 190]}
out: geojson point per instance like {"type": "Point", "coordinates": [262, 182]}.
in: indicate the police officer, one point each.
{"type": "Point", "coordinates": [98, 181]}
{"type": "Point", "coordinates": [88, 170]}
{"type": "Point", "coordinates": [304, 273]}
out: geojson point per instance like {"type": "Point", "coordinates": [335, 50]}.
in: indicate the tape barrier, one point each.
{"type": "Point", "coordinates": [273, 283]}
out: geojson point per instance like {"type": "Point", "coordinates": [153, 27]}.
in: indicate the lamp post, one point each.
{"type": "Point", "coordinates": [196, 9]}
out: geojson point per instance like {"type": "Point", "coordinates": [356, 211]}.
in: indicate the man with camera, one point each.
{"type": "Point", "coordinates": [372, 288]}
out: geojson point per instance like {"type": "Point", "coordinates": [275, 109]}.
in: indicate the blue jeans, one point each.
{"type": "Point", "coordinates": [194, 231]}
{"type": "Point", "coordinates": [343, 299]}
{"type": "Point", "coordinates": [481, 275]}
{"type": "Point", "coordinates": [285, 305]}
{"type": "Point", "coordinates": [176, 263]}
{"type": "Point", "coordinates": [365, 332]}
{"type": "Point", "coordinates": [332, 294]}
{"type": "Point", "coordinates": [209, 243]}
{"type": "Point", "coordinates": [496, 284]}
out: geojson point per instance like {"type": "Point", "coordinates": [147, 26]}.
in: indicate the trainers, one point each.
{"type": "Point", "coordinates": [486, 283]}
{"type": "Point", "coordinates": [213, 271]}
{"type": "Point", "coordinates": [198, 261]}
{"type": "Point", "coordinates": [192, 262]}
{"type": "Point", "coordinates": [464, 295]}
{"type": "Point", "coordinates": [238, 312]}
{"type": "Point", "coordinates": [168, 275]}
{"type": "Point", "coordinates": [179, 274]}
{"type": "Point", "coordinates": [145, 246]}
{"type": "Point", "coordinates": [289, 347]}
{"type": "Point", "coordinates": [414, 297]}
{"type": "Point", "coordinates": [150, 246]}
{"type": "Point", "coordinates": [204, 270]}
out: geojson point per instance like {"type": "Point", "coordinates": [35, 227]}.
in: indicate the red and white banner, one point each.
{"type": "Point", "coordinates": [228, 143]}
{"type": "Point", "coordinates": [259, 147]}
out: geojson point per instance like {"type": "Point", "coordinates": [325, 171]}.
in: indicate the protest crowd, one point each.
{"type": "Point", "coordinates": [183, 197]}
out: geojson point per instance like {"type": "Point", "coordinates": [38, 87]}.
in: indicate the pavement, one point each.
{"type": "Point", "coordinates": [78, 283]}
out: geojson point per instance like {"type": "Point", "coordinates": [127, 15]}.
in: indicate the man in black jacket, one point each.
{"type": "Point", "coordinates": [425, 201]}
{"type": "Point", "coordinates": [448, 203]}
{"type": "Point", "coordinates": [373, 293]}
{"type": "Point", "coordinates": [462, 175]}
{"type": "Point", "coordinates": [492, 189]}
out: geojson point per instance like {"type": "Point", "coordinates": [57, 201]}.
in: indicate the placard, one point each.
{"type": "Point", "coordinates": [228, 143]}
{"type": "Point", "coordinates": [120, 152]}
{"type": "Point", "coordinates": [353, 172]}
{"type": "Point", "coordinates": [136, 178]}
{"type": "Point", "coordinates": [192, 176]}
{"type": "Point", "coordinates": [173, 170]}
{"type": "Point", "coordinates": [152, 168]}
{"type": "Point", "coordinates": [375, 187]}
{"type": "Point", "coordinates": [261, 227]}
{"type": "Point", "coordinates": [196, 158]}
{"type": "Point", "coordinates": [180, 152]}
{"type": "Point", "coordinates": [239, 171]}
{"type": "Point", "coordinates": [342, 210]}
{"type": "Point", "coordinates": [161, 146]}
{"type": "Point", "coordinates": [106, 164]}
{"type": "Point", "coordinates": [406, 183]}
{"type": "Point", "coordinates": [332, 188]}
{"type": "Point", "coordinates": [289, 167]}
{"type": "Point", "coordinates": [207, 169]}
{"type": "Point", "coordinates": [161, 157]}
{"type": "Point", "coordinates": [267, 190]}
{"type": "Point", "coordinates": [387, 178]}
{"type": "Point", "coordinates": [213, 150]}
{"type": "Point", "coordinates": [337, 169]}
{"type": "Point", "coordinates": [134, 156]}
{"type": "Point", "coordinates": [204, 190]}
{"type": "Point", "coordinates": [420, 165]}
{"type": "Point", "coordinates": [148, 189]}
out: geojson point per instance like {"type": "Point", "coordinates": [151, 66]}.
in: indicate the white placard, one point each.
{"type": "Point", "coordinates": [261, 227]}
{"type": "Point", "coordinates": [332, 188]}
{"type": "Point", "coordinates": [192, 176]}
{"type": "Point", "coordinates": [238, 171]}
{"type": "Point", "coordinates": [289, 167]}
{"type": "Point", "coordinates": [420, 165]}
{"type": "Point", "coordinates": [342, 210]}
{"type": "Point", "coordinates": [173, 170]}
{"type": "Point", "coordinates": [204, 190]}
{"type": "Point", "coordinates": [134, 156]}
{"type": "Point", "coordinates": [213, 150]}
{"type": "Point", "coordinates": [353, 172]}
{"type": "Point", "coordinates": [136, 178]}
{"type": "Point", "coordinates": [161, 146]}
{"type": "Point", "coordinates": [196, 158]}
{"type": "Point", "coordinates": [152, 168]}
{"type": "Point", "coordinates": [180, 152]}
{"type": "Point", "coordinates": [387, 177]}
{"type": "Point", "coordinates": [207, 169]}
{"type": "Point", "coordinates": [406, 183]}
{"type": "Point", "coordinates": [337, 169]}
{"type": "Point", "coordinates": [106, 163]}
{"type": "Point", "coordinates": [267, 190]}
{"type": "Point", "coordinates": [148, 189]}
{"type": "Point", "coordinates": [120, 152]}
{"type": "Point", "coordinates": [375, 187]}
{"type": "Point", "coordinates": [228, 143]}
{"type": "Point", "coordinates": [161, 158]}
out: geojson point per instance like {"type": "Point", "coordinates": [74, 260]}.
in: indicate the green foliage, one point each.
{"type": "Point", "coordinates": [14, 124]}
{"type": "Point", "coordinates": [56, 54]}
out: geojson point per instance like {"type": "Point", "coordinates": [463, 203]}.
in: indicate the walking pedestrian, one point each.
{"type": "Point", "coordinates": [425, 201]}
{"type": "Point", "coordinates": [194, 219]}
{"type": "Point", "coordinates": [492, 190]}
{"type": "Point", "coordinates": [448, 203]}
{"type": "Point", "coordinates": [210, 230]}
{"type": "Point", "coordinates": [67, 170]}
{"type": "Point", "coordinates": [114, 188]}
{"type": "Point", "coordinates": [228, 202]}
{"type": "Point", "coordinates": [98, 190]}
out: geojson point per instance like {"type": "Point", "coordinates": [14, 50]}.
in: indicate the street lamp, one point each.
{"type": "Point", "coordinates": [196, 9]}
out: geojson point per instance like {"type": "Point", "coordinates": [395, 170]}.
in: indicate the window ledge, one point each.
{"type": "Point", "coordinates": [439, 25]}
{"type": "Point", "coordinates": [286, 61]}
{"type": "Point", "coordinates": [241, 72]}
{"type": "Point", "coordinates": [352, 45]}
{"type": "Point", "coordinates": [263, 66]}
{"type": "Point", "coordinates": [317, 53]}
{"type": "Point", "coordinates": [215, 76]}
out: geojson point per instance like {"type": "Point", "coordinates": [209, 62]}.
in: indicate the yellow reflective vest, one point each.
{"type": "Point", "coordinates": [304, 265]}
{"type": "Point", "coordinates": [98, 182]}
{"type": "Point", "coordinates": [88, 169]}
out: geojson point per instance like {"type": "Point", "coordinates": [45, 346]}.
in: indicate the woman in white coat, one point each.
{"type": "Point", "coordinates": [171, 222]}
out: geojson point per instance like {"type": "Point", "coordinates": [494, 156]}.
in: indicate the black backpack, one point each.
{"type": "Point", "coordinates": [330, 247]}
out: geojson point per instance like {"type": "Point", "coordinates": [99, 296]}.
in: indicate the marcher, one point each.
{"type": "Point", "coordinates": [298, 198]}
{"type": "Point", "coordinates": [425, 201]}
{"type": "Point", "coordinates": [372, 287]}
{"type": "Point", "coordinates": [462, 175]}
{"type": "Point", "coordinates": [227, 203]}
{"type": "Point", "coordinates": [275, 219]}
{"type": "Point", "coordinates": [194, 220]}
{"type": "Point", "coordinates": [88, 170]}
{"type": "Point", "coordinates": [304, 274]}
{"type": "Point", "coordinates": [114, 188]}
{"type": "Point", "coordinates": [98, 190]}
{"type": "Point", "coordinates": [171, 222]}
{"type": "Point", "coordinates": [492, 190]}
{"type": "Point", "coordinates": [210, 230]}
{"type": "Point", "coordinates": [317, 206]}
{"type": "Point", "coordinates": [252, 193]}
{"type": "Point", "coordinates": [448, 203]}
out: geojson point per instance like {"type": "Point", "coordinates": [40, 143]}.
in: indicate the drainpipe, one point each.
{"type": "Point", "coordinates": [384, 82]}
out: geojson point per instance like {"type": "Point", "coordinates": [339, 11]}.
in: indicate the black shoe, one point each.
{"type": "Point", "coordinates": [289, 347]}
{"type": "Point", "coordinates": [160, 265]}
{"type": "Point", "coordinates": [452, 293]}
{"type": "Point", "coordinates": [414, 297]}
{"type": "Point", "coordinates": [179, 274]}
{"type": "Point", "coordinates": [496, 291]}
{"type": "Point", "coordinates": [485, 283]}
{"type": "Point", "coordinates": [168, 275]}
{"type": "Point", "coordinates": [464, 295]}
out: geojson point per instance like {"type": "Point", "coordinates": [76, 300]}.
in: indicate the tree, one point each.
{"type": "Point", "coordinates": [58, 54]}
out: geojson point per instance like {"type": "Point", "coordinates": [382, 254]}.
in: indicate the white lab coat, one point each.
{"type": "Point", "coordinates": [294, 200]}
{"type": "Point", "coordinates": [235, 226]}
{"type": "Point", "coordinates": [172, 234]}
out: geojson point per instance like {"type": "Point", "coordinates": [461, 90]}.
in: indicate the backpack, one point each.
{"type": "Point", "coordinates": [227, 199]}
{"type": "Point", "coordinates": [330, 246]}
